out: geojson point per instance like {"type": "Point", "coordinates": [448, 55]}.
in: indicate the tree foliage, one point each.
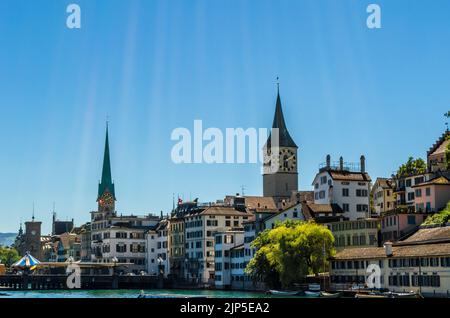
{"type": "Point", "coordinates": [412, 167]}
{"type": "Point", "coordinates": [8, 256]}
{"type": "Point", "coordinates": [290, 251]}
{"type": "Point", "coordinates": [441, 218]}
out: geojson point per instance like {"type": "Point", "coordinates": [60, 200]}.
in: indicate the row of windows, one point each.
{"type": "Point", "coordinates": [238, 265]}
{"type": "Point", "coordinates": [177, 227]}
{"type": "Point", "coordinates": [341, 279]}
{"type": "Point", "coordinates": [237, 253]}
{"type": "Point", "coordinates": [395, 263]}
{"type": "Point", "coordinates": [345, 226]}
{"type": "Point", "coordinates": [118, 235]}
{"type": "Point", "coordinates": [418, 192]}
{"type": "Point", "coordinates": [362, 208]}
{"type": "Point", "coordinates": [196, 223]}
{"type": "Point", "coordinates": [423, 262]}
{"type": "Point", "coordinates": [408, 182]}
{"type": "Point", "coordinates": [359, 207]}
{"type": "Point", "coordinates": [355, 240]}
{"type": "Point", "coordinates": [198, 244]}
{"type": "Point", "coordinates": [121, 248]}
{"type": "Point", "coordinates": [193, 255]}
{"type": "Point", "coordinates": [420, 207]}
{"type": "Point", "coordinates": [195, 234]}
{"type": "Point", "coordinates": [226, 239]}
{"type": "Point", "coordinates": [416, 280]}
{"type": "Point", "coordinates": [352, 264]}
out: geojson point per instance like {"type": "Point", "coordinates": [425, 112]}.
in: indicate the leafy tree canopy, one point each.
{"type": "Point", "coordinates": [412, 167]}
{"type": "Point", "coordinates": [441, 218]}
{"type": "Point", "coordinates": [8, 256]}
{"type": "Point", "coordinates": [290, 251]}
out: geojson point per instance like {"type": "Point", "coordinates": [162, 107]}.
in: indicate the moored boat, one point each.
{"type": "Point", "coordinates": [330, 295]}
{"type": "Point", "coordinates": [388, 295]}
{"type": "Point", "coordinates": [284, 292]}
{"type": "Point", "coordinates": [309, 293]}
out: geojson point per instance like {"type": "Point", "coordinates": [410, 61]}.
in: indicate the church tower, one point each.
{"type": "Point", "coordinates": [32, 238]}
{"type": "Point", "coordinates": [280, 171]}
{"type": "Point", "coordinates": [106, 195]}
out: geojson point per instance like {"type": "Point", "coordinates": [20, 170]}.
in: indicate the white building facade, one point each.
{"type": "Point", "coordinates": [224, 243]}
{"type": "Point", "coordinates": [343, 185]}
{"type": "Point", "coordinates": [158, 260]}
{"type": "Point", "coordinates": [200, 227]}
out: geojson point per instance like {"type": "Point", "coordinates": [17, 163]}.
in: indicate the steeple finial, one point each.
{"type": "Point", "coordinates": [278, 85]}
{"type": "Point", "coordinates": [32, 216]}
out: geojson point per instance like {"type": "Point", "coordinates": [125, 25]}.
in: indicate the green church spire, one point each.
{"type": "Point", "coordinates": [285, 139]}
{"type": "Point", "coordinates": [106, 183]}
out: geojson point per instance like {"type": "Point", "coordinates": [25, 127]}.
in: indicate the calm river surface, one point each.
{"type": "Point", "coordinates": [157, 293]}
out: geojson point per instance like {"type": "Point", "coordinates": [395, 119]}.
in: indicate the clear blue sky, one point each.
{"type": "Point", "coordinates": [153, 66]}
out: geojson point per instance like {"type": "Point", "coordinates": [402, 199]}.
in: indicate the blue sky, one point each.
{"type": "Point", "coordinates": [153, 66]}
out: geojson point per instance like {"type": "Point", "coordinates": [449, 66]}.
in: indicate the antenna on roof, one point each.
{"type": "Point", "coordinates": [242, 190]}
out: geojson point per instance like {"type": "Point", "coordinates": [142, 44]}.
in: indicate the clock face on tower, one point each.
{"type": "Point", "coordinates": [106, 200]}
{"type": "Point", "coordinates": [288, 160]}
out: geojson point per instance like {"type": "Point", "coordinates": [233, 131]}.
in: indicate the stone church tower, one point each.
{"type": "Point", "coordinates": [30, 241]}
{"type": "Point", "coordinates": [280, 171]}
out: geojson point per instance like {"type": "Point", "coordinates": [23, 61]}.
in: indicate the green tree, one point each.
{"type": "Point", "coordinates": [290, 251]}
{"type": "Point", "coordinates": [412, 166]}
{"type": "Point", "coordinates": [8, 256]}
{"type": "Point", "coordinates": [440, 218]}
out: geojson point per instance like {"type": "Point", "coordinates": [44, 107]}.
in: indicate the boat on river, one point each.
{"type": "Point", "coordinates": [388, 295]}
{"type": "Point", "coordinates": [144, 295]}
{"type": "Point", "coordinates": [330, 295]}
{"type": "Point", "coordinates": [309, 293]}
{"type": "Point", "coordinates": [285, 292]}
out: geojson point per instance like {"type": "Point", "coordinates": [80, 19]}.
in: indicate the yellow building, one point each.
{"type": "Point", "coordinates": [358, 233]}
{"type": "Point", "coordinates": [383, 195]}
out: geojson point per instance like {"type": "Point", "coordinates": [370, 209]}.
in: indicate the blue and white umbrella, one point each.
{"type": "Point", "coordinates": [28, 261]}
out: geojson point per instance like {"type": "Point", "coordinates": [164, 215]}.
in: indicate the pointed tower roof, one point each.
{"type": "Point", "coordinates": [106, 183]}
{"type": "Point", "coordinates": [278, 122]}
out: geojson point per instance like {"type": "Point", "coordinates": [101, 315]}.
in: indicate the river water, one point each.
{"type": "Point", "coordinates": [156, 293]}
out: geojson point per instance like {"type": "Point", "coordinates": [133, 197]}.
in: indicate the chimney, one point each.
{"type": "Point", "coordinates": [363, 163]}
{"type": "Point", "coordinates": [388, 248]}
{"type": "Point", "coordinates": [328, 161]}
{"type": "Point", "coordinates": [341, 163]}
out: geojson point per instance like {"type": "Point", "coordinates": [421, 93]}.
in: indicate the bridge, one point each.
{"type": "Point", "coordinates": [59, 281]}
